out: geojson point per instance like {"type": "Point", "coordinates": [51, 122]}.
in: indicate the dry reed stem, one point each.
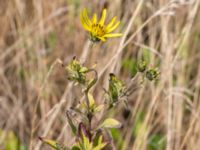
{"type": "Point", "coordinates": [167, 42]}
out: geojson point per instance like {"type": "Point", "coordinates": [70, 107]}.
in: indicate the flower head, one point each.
{"type": "Point", "coordinates": [116, 90]}
{"type": "Point", "coordinates": [152, 74]}
{"type": "Point", "coordinates": [142, 66]}
{"type": "Point", "coordinates": [77, 72]}
{"type": "Point", "coordinates": [98, 30]}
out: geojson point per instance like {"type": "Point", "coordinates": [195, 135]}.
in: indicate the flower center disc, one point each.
{"type": "Point", "coordinates": [98, 30]}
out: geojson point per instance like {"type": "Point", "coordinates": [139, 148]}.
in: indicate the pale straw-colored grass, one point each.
{"type": "Point", "coordinates": [35, 93]}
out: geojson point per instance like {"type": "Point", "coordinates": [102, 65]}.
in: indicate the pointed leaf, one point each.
{"type": "Point", "coordinates": [110, 123]}
{"type": "Point", "coordinates": [71, 124]}
{"type": "Point", "coordinates": [100, 146]}
{"type": "Point", "coordinates": [91, 100]}
{"type": "Point", "coordinates": [54, 144]}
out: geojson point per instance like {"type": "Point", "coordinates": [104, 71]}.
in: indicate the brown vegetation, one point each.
{"type": "Point", "coordinates": [35, 93]}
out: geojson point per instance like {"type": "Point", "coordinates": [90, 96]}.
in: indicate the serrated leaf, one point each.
{"type": "Point", "coordinates": [110, 123]}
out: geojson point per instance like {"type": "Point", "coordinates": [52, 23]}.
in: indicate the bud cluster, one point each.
{"type": "Point", "coordinates": [151, 74]}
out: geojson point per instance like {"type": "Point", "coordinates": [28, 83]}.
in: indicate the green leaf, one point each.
{"type": "Point", "coordinates": [54, 144]}
{"type": "Point", "coordinates": [91, 100]}
{"type": "Point", "coordinates": [139, 119]}
{"type": "Point", "coordinates": [146, 54]}
{"type": "Point", "coordinates": [130, 64]}
{"type": "Point", "coordinates": [110, 123]}
{"type": "Point", "coordinates": [100, 146]}
{"type": "Point", "coordinates": [86, 143]}
{"type": "Point", "coordinates": [71, 124]}
{"type": "Point", "coordinates": [83, 69]}
{"type": "Point", "coordinates": [75, 148]}
{"type": "Point", "coordinates": [117, 137]}
{"type": "Point", "coordinates": [157, 142]}
{"type": "Point", "coordinates": [11, 142]}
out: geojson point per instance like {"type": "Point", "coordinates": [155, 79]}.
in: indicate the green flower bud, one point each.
{"type": "Point", "coordinates": [116, 89]}
{"type": "Point", "coordinates": [77, 72]}
{"type": "Point", "coordinates": [152, 74]}
{"type": "Point", "coordinates": [142, 66]}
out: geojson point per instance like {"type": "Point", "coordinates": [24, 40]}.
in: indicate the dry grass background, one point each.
{"type": "Point", "coordinates": [34, 91]}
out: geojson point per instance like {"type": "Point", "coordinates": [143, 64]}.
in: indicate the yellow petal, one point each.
{"type": "Point", "coordinates": [84, 24]}
{"type": "Point", "coordinates": [86, 27]}
{"type": "Point", "coordinates": [113, 27]}
{"type": "Point", "coordinates": [102, 20]}
{"type": "Point", "coordinates": [111, 23]}
{"type": "Point", "coordinates": [94, 19]}
{"type": "Point", "coordinates": [112, 35]}
{"type": "Point", "coordinates": [85, 17]}
{"type": "Point", "coordinates": [101, 38]}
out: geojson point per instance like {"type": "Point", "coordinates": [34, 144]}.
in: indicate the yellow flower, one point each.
{"type": "Point", "coordinates": [98, 30]}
